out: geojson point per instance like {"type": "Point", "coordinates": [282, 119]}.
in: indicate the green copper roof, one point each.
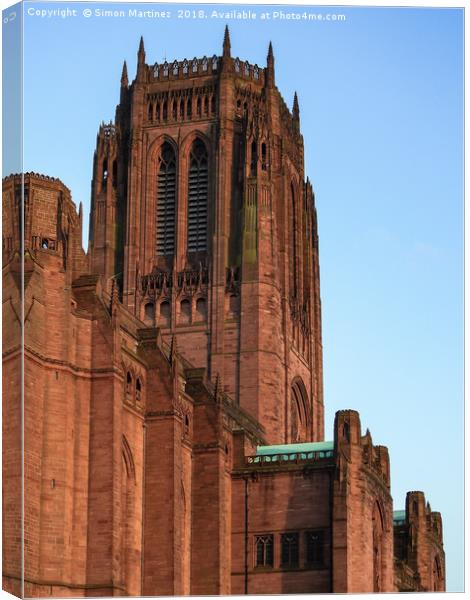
{"type": "Point", "coordinates": [294, 448]}
{"type": "Point", "coordinates": [399, 515]}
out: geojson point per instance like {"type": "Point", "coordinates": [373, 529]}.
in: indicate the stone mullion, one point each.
{"type": "Point", "coordinates": [182, 209]}
{"type": "Point", "coordinates": [146, 246]}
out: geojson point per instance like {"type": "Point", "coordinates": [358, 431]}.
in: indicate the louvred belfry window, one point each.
{"type": "Point", "coordinates": [166, 201]}
{"type": "Point", "coordinates": [197, 198]}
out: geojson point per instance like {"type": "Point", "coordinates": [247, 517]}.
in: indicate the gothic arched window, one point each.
{"type": "Point", "coordinates": [166, 201]}
{"type": "Point", "coordinates": [185, 311]}
{"type": "Point", "coordinates": [436, 575]}
{"type": "Point", "coordinates": [264, 162]}
{"type": "Point", "coordinates": [299, 413]}
{"type": "Point", "coordinates": [149, 313]}
{"type": "Point", "coordinates": [165, 314]}
{"type": "Point", "coordinates": [128, 385]}
{"type": "Point", "coordinates": [198, 190]}
{"type": "Point", "coordinates": [377, 545]}
{"type": "Point", "coordinates": [201, 309]}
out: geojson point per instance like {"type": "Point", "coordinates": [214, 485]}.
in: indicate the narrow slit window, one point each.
{"type": "Point", "coordinates": [129, 384]}
{"type": "Point", "coordinates": [254, 158]}
{"type": "Point", "coordinates": [264, 163]}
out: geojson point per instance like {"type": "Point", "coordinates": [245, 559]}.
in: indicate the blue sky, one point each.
{"type": "Point", "coordinates": [381, 99]}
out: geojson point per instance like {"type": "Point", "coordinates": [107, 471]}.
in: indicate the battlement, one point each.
{"type": "Point", "coordinates": [193, 90]}
{"type": "Point", "coordinates": [52, 225]}
{"type": "Point", "coordinates": [17, 178]}
{"type": "Point", "coordinates": [203, 67]}
{"type": "Point", "coordinates": [107, 130]}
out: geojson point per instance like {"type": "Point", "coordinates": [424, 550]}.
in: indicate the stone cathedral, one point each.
{"type": "Point", "coordinates": [173, 401]}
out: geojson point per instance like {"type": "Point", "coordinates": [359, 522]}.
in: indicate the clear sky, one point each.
{"type": "Point", "coordinates": [381, 99]}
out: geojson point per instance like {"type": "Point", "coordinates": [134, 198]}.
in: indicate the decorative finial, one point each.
{"type": "Point", "coordinates": [124, 78]}
{"type": "Point", "coordinates": [141, 62]}
{"type": "Point", "coordinates": [270, 66]}
{"type": "Point", "coordinates": [295, 108]}
{"type": "Point", "coordinates": [141, 53]}
{"type": "Point", "coordinates": [226, 47]}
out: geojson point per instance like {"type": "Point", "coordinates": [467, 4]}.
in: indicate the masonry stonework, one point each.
{"type": "Point", "coordinates": [173, 399]}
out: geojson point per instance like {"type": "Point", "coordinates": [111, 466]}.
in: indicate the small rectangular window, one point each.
{"type": "Point", "coordinates": [264, 554]}
{"type": "Point", "coordinates": [314, 548]}
{"type": "Point", "coordinates": [290, 550]}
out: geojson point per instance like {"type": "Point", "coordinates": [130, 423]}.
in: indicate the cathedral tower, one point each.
{"type": "Point", "coordinates": [202, 214]}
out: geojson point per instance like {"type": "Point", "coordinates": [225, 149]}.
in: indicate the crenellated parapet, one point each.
{"type": "Point", "coordinates": [51, 224]}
